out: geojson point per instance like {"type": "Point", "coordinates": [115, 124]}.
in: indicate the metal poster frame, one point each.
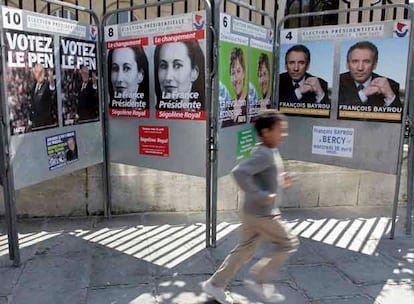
{"type": "Point", "coordinates": [7, 178]}
{"type": "Point", "coordinates": [214, 143]}
{"type": "Point", "coordinates": [410, 160]}
{"type": "Point", "coordinates": [9, 190]}
{"type": "Point", "coordinates": [408, 99]}
{"type": "Point", "coordinates": [208, 86]}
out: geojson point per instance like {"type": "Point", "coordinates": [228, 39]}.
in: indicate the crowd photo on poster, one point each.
{"type": "Point", "coordinates": [80, 95]}
{"type": "Point", "coordinates": [30, 81]}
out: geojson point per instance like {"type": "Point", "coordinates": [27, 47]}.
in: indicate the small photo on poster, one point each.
{"type": "Point", "coordinates": [179, 76]}
{"type": "Point", "coordinates": [234, 86]}
{"type": "Point", "coordinates": [128, 78]}
{"type": "Point", "coordinates": [260, 86]}
{"type": "Point", "coordinates": [30, 81]}
{"type": "Point", "coordinates": [305, 85]}
{"type": "Point", "coordinates": [369, 87]}
{"type": "Point", "coordinates": [62, 149]}
{"type": "Point", "coordinates": [80, 95]}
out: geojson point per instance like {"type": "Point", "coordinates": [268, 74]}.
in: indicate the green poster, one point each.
{"type": "Point", "coordinates": [246, 142]}
{"type": "Point", "coordinates": [233, 83]}
{"type": "Point", "coordinates": [260, 90]}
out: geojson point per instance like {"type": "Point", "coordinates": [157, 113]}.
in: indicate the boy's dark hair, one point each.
{"type": "Point", "coordinates": [267, 119]}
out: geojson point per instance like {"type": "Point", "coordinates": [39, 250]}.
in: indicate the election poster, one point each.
{"type": "Point", "coordinates": [154, 141]}
{"type": "Point", "coordinates": [179, 75]}
{"type": "Point", "coordinates": [246, 140]}
{"type": "Point", "coordinates": [234, 81]}
{"type": "Point", "coordinates": [62, 149]}
{"type": "Point", "coordinates": [367, 88]}
{"type": "Point", "coordinates": [370, 88]}
{"type": "Point", "coordinates": [79, 85]}
{"type": "Point", "coordinates": [333, 141]}
{"type": "Point", "coordinates": [261, 75]}
{"type": "Point", "coordinates": [245, 87]}
{"type": "Point", "coordinates": [306, 78]}
{"type": "Point", "coordinates": [128, 78]}
{"type": "Point", "coordinates": [159, 66]}
{"type": "Point", "coordinates": [30, 81]}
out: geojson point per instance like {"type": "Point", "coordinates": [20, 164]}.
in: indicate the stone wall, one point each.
{"type": "Point", "coordinates": [138, 190]}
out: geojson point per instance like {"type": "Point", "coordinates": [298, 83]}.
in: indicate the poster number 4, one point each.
{"type": "Point", "coordinates": [12, 19]}
{"type": "Point", "coordinates": [290, 36]}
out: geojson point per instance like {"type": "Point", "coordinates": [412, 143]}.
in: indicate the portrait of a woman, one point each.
{"type": "Point", "coordinates": [128, 71]}
{"type": "Point", "coordinates": [179, 70]}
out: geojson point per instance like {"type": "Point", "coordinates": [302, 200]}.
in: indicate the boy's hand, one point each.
{"type": "Point", "coordinates": [287, 180]}
{"type": "Point", "coordinates": [267, 200]}
{"type": "Point", "coordinates": [270, 198]}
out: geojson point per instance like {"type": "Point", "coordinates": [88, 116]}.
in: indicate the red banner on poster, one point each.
{"type": "Point", "coordinates": [154, 141]}
{"type": "Point", "coordinates": [126, 112]}
{"type": "Point", "coordinates": [181, 115]}
{"type": "Point", "coordinates": [178, 37]}
{"type": "Point", "coordinates": [127, 43]}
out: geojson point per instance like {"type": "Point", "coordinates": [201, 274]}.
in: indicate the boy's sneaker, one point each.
{"type": "Point", "coordinates": [216, 292]}
{"type": "Point", "coordinates": [266, 292]}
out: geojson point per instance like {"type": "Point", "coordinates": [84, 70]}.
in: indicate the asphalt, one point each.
{"type": "Point", "coordinates": [345, 257]}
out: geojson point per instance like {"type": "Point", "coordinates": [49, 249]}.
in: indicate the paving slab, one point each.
{"type": "Point", "coordinates": [242, 295]}
{"type": "Point", "coordinates": [348, 300]}
{"type": "Point", "coordinates": [375, 269]}
{"type": "Point", "coordinates": [181, 290]}
{"type": "Point", "coordinates": [331, 253]}
{"type": "Point", "coordinates": [63, 245]}
{"type": "Point", "coordinates": [400, 248]}
{"type": "Point", "coordinates": [52, 280]}
{"type": "Point", "coordinates": [121, 295]}
{"type": "Point", "coordinates": [392, 293]}
{"type": "Point", "coordinates": [329, 282]}
{"type": "Point", "coordinates": [306, 254]}
{"type": "Point", "coordinates": [119, 221]}
{"type": "Point", "coordinates": [199, 263]}
{"type": "Point", "coordinates": [11, 275]}
{"type": "Point", "coordinates": [161, 258]}
{"type": "Point", "coordinates": [69, 224]}
{"type": "Point", "coordinates": [119, 269]}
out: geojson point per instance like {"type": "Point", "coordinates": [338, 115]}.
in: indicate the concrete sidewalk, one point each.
{"type": "Point", "coordinates": [345, 256]}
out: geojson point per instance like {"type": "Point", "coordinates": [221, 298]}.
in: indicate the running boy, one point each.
{"type": "Point", "coordinates": [261, 177]}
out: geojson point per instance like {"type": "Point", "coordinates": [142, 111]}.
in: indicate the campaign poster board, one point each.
{"type": "Point", "coordinates": [245, 86]}
{"type": "Point", "coordinates": [156, 76]}
{"type": "Point", "coordinates": [42, 56]}
{"type": "Point", "coordinates": [366, 77]}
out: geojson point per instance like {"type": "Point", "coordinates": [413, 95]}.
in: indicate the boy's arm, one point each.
{"type": "Point", "coordinates": [245, 171]}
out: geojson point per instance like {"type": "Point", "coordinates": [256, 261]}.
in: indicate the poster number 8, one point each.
{"type": "Point", "coordinates": [111, 33]}
{"type": "Point", "coordinates": [12, 18]}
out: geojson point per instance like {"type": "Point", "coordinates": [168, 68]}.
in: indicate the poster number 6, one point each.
{"type": "Point", "coordinates": [12, 19]}
{"type": "Point", "coordinates": [225, 23]}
